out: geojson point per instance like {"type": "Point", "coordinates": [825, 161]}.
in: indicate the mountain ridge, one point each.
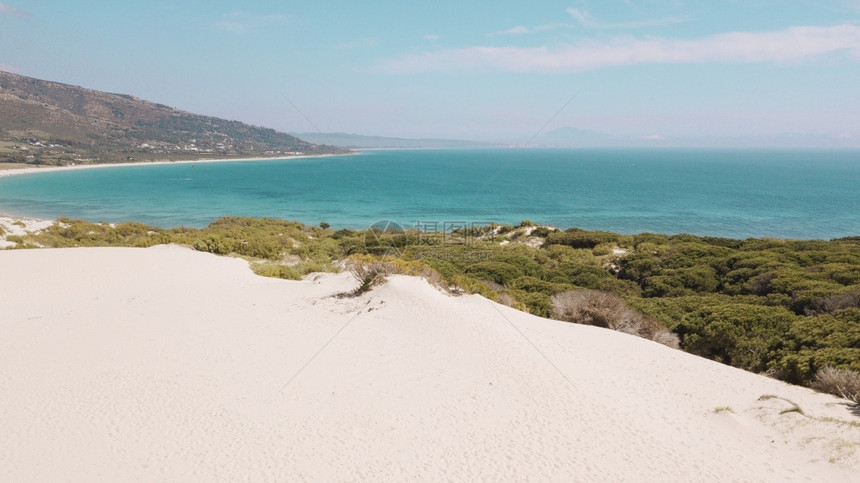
{"type": "Point", "coordinates": [46, 122]}
{"type": "Point", "coordinates": [360, 141]}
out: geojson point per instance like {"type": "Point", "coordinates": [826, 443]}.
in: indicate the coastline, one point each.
{"type": "Point", "coordinates": [6, 171]}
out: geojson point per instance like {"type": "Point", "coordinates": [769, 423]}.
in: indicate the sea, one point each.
{"type": "Point", "coordinates": [811, 194]}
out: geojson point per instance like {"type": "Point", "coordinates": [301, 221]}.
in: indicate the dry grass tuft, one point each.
{"type": "Point", "coordinates": [843, 383]}
{"type": "Point", "coordinates": [369, 274]}
{"type": "Point", "coordinates": [602, 309]}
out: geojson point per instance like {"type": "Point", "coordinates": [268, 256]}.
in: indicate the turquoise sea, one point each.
{"type": "Point", "coordinates": [790, 194]}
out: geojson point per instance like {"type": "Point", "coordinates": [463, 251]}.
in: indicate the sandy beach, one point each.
{"type": "Point", "coordinates": [8, 171]}
{"type": "Point", "coordinates": [168, 364]}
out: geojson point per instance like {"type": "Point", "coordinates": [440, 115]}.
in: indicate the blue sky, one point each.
{"type": "Point", "coordinates": [647, 69]}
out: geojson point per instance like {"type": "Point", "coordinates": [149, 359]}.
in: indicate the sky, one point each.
{"type": "Point", "coordinates": [654, 70]}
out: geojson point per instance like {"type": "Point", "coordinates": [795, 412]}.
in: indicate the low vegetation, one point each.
{"type": "Point", "coordinates": [369, 274]}
{"type": "Point", "coordinates": [839, 382]}
{"type": "Point", "coordinates": [785, 308]}
{"type": "Point", "coordinates": [603, 309]}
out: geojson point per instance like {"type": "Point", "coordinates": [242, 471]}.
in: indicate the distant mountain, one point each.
{"type": "Point", "coordinates": [46, 122]}
{"type": "Point", "coordinates": [345, 140]}
{"type": "Point", "coordinates": [570, 137]}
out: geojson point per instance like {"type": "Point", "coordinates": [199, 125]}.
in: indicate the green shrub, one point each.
{"type": "Point", "coordinates": [288, 272]}
{"type": "Point", "coordinates": [541, 231]}
{"type": "Point", "coordinates": [473, 286]}
{"type": "Point", "coordinates": [742, 335]}
{"type": "Point", "coordinates": [577, 238]}
{"type": "Point", "coordinates": [537, 303]}
{"type": "Point", "coordinates": [494, 271]}
{"type": "Point", "coordinates": [213, 244]}
{"type": "Point", "coordinates": [639, 267]}
{"type": "Point", "coordinates": [602, 250]}
{"type": "Point", "coordinates": [665, 286]}
{"type": "Point", "coordinates": [536, 285]}
{"type": "Point", "coordinates": [698, 279]}
{"type": "Point", "coordinates": [586, 276]}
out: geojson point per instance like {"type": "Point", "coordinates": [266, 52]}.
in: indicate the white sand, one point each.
{"type": "Point", "coordinates": [122, 364]}
{"type": "Point", "coordinates": [48, 169]}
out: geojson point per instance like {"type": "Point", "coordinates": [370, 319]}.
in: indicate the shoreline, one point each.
{"type": "Point", "coordinates": [6, 171]}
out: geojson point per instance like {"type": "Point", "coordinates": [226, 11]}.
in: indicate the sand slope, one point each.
{"type": "Point", "coordinates": [163, 363]}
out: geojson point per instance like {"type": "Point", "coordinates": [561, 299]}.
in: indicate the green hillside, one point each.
{"type": "Point", "coordinates": [44, 122]}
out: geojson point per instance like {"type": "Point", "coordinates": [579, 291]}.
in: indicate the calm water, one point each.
{"type": "Point", "coordinates": [806, 194]}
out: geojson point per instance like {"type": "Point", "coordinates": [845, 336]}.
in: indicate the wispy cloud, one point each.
{"type": "Point", "coordinates": [586, 20]}
{"type": "Point", "coordinates": [10, 10]}
{"type": "Point", "coordinates": [788, 45]}
{"type": "Point", "coordinates": [654, 137]}
{"type": "Point", "coordinates": [241, 22]}
{"type": "Point", "coordinates": [9, 68]}
{"type": "Point", "coordinates": [520, 30]}
{"type": "Point", "coordinates": [430, 37]}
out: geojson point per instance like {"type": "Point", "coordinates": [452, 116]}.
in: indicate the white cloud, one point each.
{"type": "Point", "coordinates": [8, 68]}
{"type": "Point", "coordinates": [431, 37]}
{"type": "Point", "coordinates": [654, 137]}
{"type": "Point", "coordinates": [586, 20]}
{"type": "Point", "coordinates": [8, 9]}
{"type": "Point", "coordinates": [789, 45]}
{"type": "Point", "coordinates": [240, 22]}
{"type": "Point", "coordinates": [519, 29]}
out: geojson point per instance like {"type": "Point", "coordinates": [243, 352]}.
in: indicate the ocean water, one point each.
{"type": "Point", "coordinates": [789, 194]}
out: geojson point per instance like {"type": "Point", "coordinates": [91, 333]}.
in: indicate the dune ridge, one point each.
{"type": "Point", "coordinates": [165, 363]}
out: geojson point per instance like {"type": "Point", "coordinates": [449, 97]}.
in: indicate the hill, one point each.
{"type": "Point", "coordinates": [47, 122]}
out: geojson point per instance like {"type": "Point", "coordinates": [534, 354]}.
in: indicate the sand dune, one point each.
{"type": "Point", "coordinates": [18, 226]}
{"type": "Point", "coordinates": [163, 363]}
